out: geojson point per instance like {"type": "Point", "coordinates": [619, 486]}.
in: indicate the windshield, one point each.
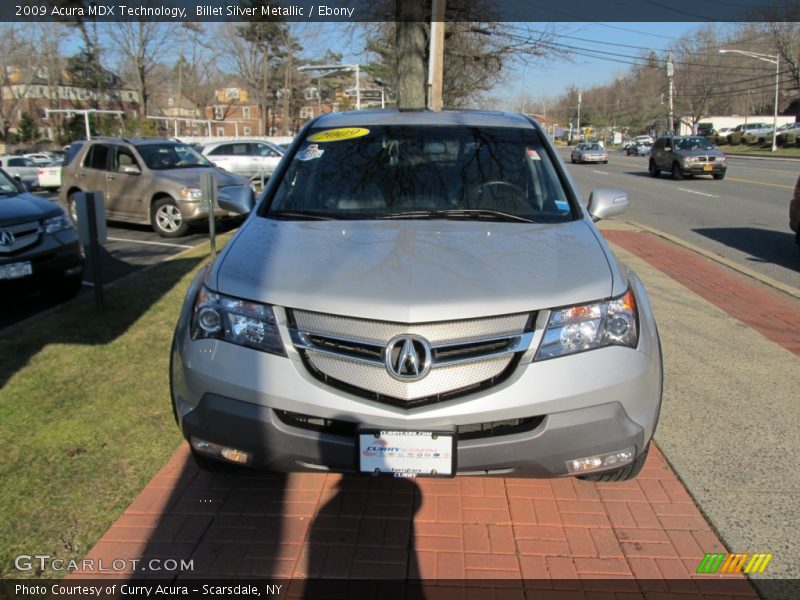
{"type": "Point", "coordinates": [171, 156]}
{"type": "Point", "coordinates": [694, 143]}
{"type": "Point", "coordinates": [7, 186]}
{"type": "Point", "coordinates": [421, 172]}
{"type": "Point", "coordinates": [594, 147]}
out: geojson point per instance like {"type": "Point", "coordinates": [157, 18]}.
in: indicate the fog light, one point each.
{"type": "Point", "coordinates": [234, 455]}
{"type": "Point", "coordinates": [601, 461]}
{"type": "Point", "coordinates": [212, 449]}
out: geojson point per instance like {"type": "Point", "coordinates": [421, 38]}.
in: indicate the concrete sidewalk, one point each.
{"type": "Point", "coordinates": [728, 428]}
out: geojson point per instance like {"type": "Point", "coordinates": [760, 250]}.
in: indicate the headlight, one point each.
{"type": "Point", "coordinates": [589, 326]}
{"type": "Point", "coordinates": [236, 321]}
{"type": "Point", "coordinates": [690, 160]}
{"type": "Point", "coordinates": [54, 224]}
{"type": "Point", "coordinates": [191, 194]}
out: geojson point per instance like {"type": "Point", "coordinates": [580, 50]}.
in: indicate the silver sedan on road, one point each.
{"type": "Point", "coordinates": [589, 152]}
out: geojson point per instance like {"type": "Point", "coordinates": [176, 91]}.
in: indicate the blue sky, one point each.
{"type": "Point", "coordinates": [549, 79]}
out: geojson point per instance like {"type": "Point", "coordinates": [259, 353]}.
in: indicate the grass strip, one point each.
{"type": "Point", "coordinates": [85, 414]}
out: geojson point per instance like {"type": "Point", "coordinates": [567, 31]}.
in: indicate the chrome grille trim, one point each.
{"type": "Point", "coordinates": [25, 234]}
{"type": "Point", "coordinates": [518, 343]}
{"type": "Point", "coordinates": [380, 332]}
{"type": "Point", "coordinates": [466, 354]}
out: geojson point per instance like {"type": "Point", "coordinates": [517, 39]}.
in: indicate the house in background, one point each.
{"type": "Point", "coordinates": [36, 91]}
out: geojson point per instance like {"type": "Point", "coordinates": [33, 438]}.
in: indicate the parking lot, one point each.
{"type": "Point", "coordinates": [129, 248]}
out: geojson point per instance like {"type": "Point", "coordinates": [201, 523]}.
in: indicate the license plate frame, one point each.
{"type": "Point", "coordinates": [406, 454]}
{"type": "Point", "coordinates": [17, 270]}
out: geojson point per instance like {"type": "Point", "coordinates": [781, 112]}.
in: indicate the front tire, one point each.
{"type": "Point", "coordinates": [167, 220]}
{"type": "Point", "coordinates": [676, 172]}
{"type": "Point", "coordinates": [72, 208]}
{"type": "Point", "coordinates": [654, 172]}
{"type": "Point", "coordinates": [718, 176]}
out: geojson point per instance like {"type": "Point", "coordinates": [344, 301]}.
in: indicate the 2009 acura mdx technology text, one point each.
{"type": "Point", "coordinates": [421, 294]}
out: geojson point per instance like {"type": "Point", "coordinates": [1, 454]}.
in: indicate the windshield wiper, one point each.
{"type": "Point", "coordinates": [300, 214]}
{"type": "Point", "coordinates": [465, 213]}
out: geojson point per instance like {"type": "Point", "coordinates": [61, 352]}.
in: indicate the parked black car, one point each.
{"type": "Point", "coordinates": [39, 247]}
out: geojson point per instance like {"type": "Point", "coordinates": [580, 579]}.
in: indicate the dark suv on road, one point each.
{"type": "Point", "coordinates": [39, 247]}
{"type": "Point", "coordinates": [687, 155]}
{"type": "Point", "coordinates": [146, 180]}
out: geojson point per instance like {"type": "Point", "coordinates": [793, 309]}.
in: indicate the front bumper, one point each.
{"type": "Point", "coordinates": [701, 168]}
{"type": "Point", "coordinates": [56, 256]}
{"type": "Point", "coordinates": [236, 397]}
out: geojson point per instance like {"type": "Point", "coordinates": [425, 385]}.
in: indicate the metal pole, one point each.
{"type": "Point", "coordinates": [579, 116]}
{"type": "Point", "coordinates": [86, 122]}
{"type": "Point", "coordinates": [383, 98]}
{"type": "Point", "coordinates": [670, 75]}
{"type": "Point", "coordinates": [176, 127]}
{"type": "Point", "coordinates": [94, 250]}
{"type": "Point", "coordinates": [775, 117]}
{"type": "Point", "coordinates": [208, 187]}
{"type": "Point", "coordinates": [358, 88]}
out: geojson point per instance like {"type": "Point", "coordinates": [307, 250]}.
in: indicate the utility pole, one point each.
{"type": "Point", "coordinates": [579, 115]}
{"type": "Point", "coordinates": [670, 75]}
{"type": "Point", "coordinates": [436, 56]}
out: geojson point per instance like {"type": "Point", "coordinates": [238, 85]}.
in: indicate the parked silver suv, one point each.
{"type": "Point", "coordinates": [420, 294]}
{"type": "Point", "coordinates": [146, 180]}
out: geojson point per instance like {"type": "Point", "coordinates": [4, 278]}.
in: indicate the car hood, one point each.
{"type": "Point", "coordinates": [192, 177]}
{"type": "Point", "coordinates": [701, 152]}
{"type": "Point", "coordinates": [414, 271]}
{"type": "Point", "coordinates": [25, 207]}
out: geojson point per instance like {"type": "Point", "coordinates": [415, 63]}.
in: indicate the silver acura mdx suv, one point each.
{"type": "Point", "coordinates": [420, 294]}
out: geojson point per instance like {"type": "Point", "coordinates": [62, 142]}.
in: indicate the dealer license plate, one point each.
{"type": "Point", "coordinates": [16, 270]}
{"type": "Point", "coordinates": [708, 168]}
{"type": "Point", "coordinates": [407, 453]}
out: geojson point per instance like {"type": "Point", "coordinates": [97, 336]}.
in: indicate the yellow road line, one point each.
{"type": "Point", "coordinates": [777, 185]}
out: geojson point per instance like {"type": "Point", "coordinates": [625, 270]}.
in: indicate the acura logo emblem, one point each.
{"type": "Point", "coordinates": [6, 238]}
{"type": "Point", "coordinates": [408, 357]}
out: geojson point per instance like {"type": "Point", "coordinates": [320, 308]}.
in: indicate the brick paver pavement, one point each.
{"type": "Point", "coordinates": [546, 533]}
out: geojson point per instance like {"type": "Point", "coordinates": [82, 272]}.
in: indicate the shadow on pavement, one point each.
{"type": "Point", "coordinates": [764, 245]}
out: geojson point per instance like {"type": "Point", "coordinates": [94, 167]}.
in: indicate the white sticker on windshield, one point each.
{"type": "Point", "coordinates": [533, 154]}
{"type": "Point", "coordinates": [311, 152]}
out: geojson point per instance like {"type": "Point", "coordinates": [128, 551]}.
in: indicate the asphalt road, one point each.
{"type": "Point", "coordinates": [128, 249]}
{"type": "Point", "coordinates": [744, 218]}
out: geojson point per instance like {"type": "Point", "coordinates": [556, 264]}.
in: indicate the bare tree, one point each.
{"type": "Point", "coordinates": [16, 71]}
{"type": "Point", "coordinates": [250, 51]}
{"type": "Point", "coordinates": [140, 44]}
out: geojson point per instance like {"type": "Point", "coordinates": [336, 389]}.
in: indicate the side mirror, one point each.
{"type": "Point", "coordinates": [239, 199]}
{"type": "Point", "coordinates": [20, 184]}
{"type": "Point", "coordinates": [131, 170]}
{"type": "Point", "coordinates": [605, 203]}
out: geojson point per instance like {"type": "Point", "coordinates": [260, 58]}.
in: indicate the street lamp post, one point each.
{"type": "Point", "coordinates": [776, 60]}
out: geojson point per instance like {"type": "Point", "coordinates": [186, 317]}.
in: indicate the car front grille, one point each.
{"type": "Point", "coordinates": [472, 431]}
{"type": "Point", "coordinates": [24, 235]}
{"type": "Point", "coordinates": [466, 355]}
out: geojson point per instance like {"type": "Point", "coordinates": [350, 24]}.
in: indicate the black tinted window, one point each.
{"type": "Point", "coordinates": [395, 170]}
{"type": "Point", "coordinates": [97, 157]}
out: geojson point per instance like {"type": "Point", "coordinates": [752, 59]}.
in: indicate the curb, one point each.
{"type": "Point", "coordinates": [742, 155]}
{"type": "Point", "coordinates": [778, 285]}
